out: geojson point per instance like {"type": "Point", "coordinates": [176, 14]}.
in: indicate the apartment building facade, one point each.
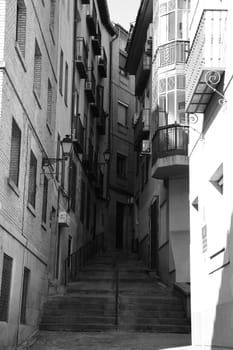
{"type": "Point", "coordinates": [52, 94]}
{"type": "Point", "coordinates": [209, 106]}
{"type": "Point", "coordinates": [156, 56]}
{"type": "Point", "coordinates": [119, 233]}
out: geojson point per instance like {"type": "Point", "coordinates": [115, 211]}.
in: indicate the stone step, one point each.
{"type": "Point", "coordinates": [169, 328]}
{"type": "Point", "coordinates": [151, 300]}
{"type": "Point", "coordinates": [63, 319]}
{"type": "Point", "coordinates": [152, 314]}
{"type": "Point", "coordinates": [78, 327]}
{"type": "Point", "coordinates": [126, 319]}
{"type": "Point", "coordinates": [153, 307]}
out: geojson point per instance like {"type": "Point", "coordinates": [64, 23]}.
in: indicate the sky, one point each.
{"type": "Point", "coordinates": [123, 11]}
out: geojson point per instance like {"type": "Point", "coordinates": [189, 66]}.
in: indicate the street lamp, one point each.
{"type": "Point", "coordinates": [66, 145]}
{"type": "Point", "coordinates": [107, 155]}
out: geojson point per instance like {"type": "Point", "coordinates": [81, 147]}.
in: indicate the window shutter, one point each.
{"type": "Point", "coordinates": [49, 103]}
{"type": "Point", "coordinates": [21, 16]}
{"type": "Point", "coordinates": [37, 70]}
{"type": "Point", "coordinates": [15, 153]}
{"type": "Point", "coordinates": [52, 13]}
{"type": "Point", "coordinates": [45, 199]}
{"type": "Point", "coordinates": [24, 295]}
{"type": "Point", "coordinates": [5, 287]}
{"type": "Point", "coordinates": [32, 180]}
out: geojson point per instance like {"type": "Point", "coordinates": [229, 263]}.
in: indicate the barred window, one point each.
{"type": "Point", "coordinates": [32, 180]}
{"type": "Point", "coordinates": [24, 295]}
{"type": "Point", "coordinates": [49, 103]}
{"type": "Point", "coordinates": [37, 69]}
{"type": "Point", "coordinates": [5, 287]}
{"type": "Point", "coordinates": [21, 18]}
{"type": "Point", "coordinates": [15, 153]}
{"type": "Point", "coordinates": [45, 199]}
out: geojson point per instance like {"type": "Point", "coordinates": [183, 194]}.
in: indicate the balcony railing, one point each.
{"type": "Point", "coordinates": [78, 134]}
{"type": "Point", "coordinates": [90, 86]}
{"type": "Point", "coordinates": [143, 73]}
{"type": "Point", "coordinates": [85, 2]}
{"type": "Point", "coordinates": [102, 63]}
{"type": "Point", "coordinates": [142, 128]}
{"type": "Point", "coordinates": [173, 53]}
{"type": "Point", "coordinates": [91, 19]}
{"type": "Point", "coordinates": [81, 57]}
{"type": "Point", "coordinates": [170, 140]}
{"type": "Point", "coordinates": [96, 43]}
{"type": "Point", "coordinates": [206, 60]}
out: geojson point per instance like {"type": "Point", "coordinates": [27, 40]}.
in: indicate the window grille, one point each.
{"type": "Point", "coordinates": [37, 70]}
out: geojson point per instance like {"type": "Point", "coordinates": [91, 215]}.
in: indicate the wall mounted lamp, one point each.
{"type": "Point", "coordinates": [66, 145]}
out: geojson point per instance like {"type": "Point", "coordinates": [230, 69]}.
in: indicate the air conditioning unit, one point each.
{"type": "Point", "coordinates": [64, 219]}
{"type": "Point", "coordinates": [145, 147]}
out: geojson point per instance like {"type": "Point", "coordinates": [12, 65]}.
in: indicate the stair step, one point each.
{"type": "Point", "coordinates": [77, 327]}
{"type": "Point", "coordinates": [64, 319]}
{"type": "Point", "coordinates": [155, 328]}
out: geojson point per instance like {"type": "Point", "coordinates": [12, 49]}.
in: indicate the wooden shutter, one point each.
{"type": "Point", "coordinates": [24, 295]}
{"type": "Point", "coordinates": [45, 199]}
{"type": "Point", "coordinates": [32, 180]}
{"type": "Point", "coordinates": [5, 287]}
{"type": "Point", "coordinates": [21, 26]}
{"type": "Point", "coordinates": [15, 152]}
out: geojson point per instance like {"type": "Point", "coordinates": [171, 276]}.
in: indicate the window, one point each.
{"type": "Point", "coordinates": [49, 103]}
{"type": "Point", "coordinates": [32, 180]}
{"type": "Point", "coordinates": [37, 70]}
{"type": "Point", "coordinates": [24, 295]}
{"type": "Point", "coordinates": [121, 165]}
{"type": "Point", "coordinates": [122, 63]}
{"type": "Point", "coordinates": [66, 84]}
{"type": "Point", "coordinates": [73, 181]}
{"type": "Point", "coordinates": [82, 202]}
{"type": "Point", "coordinates": [15, 153]}
{"type": "Point", "coordinates": [45, 199]}
{"type": "Point", "coordinates": [52, 13]}
{"type": "Point", "coordinates": [61, 72]}
{"type": "Point", "coordinates": [5, 287]}
{"type": "Point", "coordinates": [122, 113]}
{"type": "Point", "coordinates": [21, 17]}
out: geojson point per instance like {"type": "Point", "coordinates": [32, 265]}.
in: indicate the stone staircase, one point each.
{"type": "Point", "coordinates": [115, 291]}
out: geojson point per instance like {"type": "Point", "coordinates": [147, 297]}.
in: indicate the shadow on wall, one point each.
{"type": "Point", "coordinates": [223, 323]}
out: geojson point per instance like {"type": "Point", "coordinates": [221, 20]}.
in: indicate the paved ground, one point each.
{"type": "Point", "coordinates": [108, 341]}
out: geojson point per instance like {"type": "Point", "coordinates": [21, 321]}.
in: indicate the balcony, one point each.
{"type": "Point", "coordinates": [102, 63]}
{"type": "Point", "coordinates": [101, 123]}
{"type": "Point", "coordinates": [170, 151]}
{"type": "Point", "coordinates": [173, 53]}
{"type": "Point", "coordinates": [81, 57]}
{"type": "Point", "coordinates": [90, 86]}
{"type": "Point", "coordinates": [142, 74]}
{"type": "Point", "coordinates": [78, 135]}
{"type": "Point", "coordinates": [142, 128]}
{"type": "Point", "coordinates": [96, 43]}
{"type": "Point", "coordinates": [85, 2]}
{"type": "Point", "coordinates": [91, 19]}
{"type": "Point", "coordinates": [206, 60]}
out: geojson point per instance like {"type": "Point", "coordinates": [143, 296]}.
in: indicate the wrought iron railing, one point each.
{"type": "Point", "coordinates": [77, 260]}
{"type": "Point", "coordinates": [170, 140]}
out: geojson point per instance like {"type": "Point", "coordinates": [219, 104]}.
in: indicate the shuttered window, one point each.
{"type": "Point", "coordinates": [66, 84]}
{"type": "Point", "coordinates": [15, 153]}
{"type": "Point", "coordinates": [61, 72]}
{"type": "Point", "coordinates": [49, 102]}
{"type": "Point", "coordinates": [21, 17]}
{"type": "Point", "coordinates": [45, 199]}
{"type": "Point", "coordinates": [73, 182]}
{"type": "Point", "coordinates": [26, 276]}
{"type": "Point", "coordinates": [52, 13]}
{"type": "Point", "coordinates": [32, 180]}
{"type": "Point", "coordinates": [37, 69]}
{"type": "Point", "coordinates": [82, 204]}
{"type": "Point", "coordinates": [5, 287]}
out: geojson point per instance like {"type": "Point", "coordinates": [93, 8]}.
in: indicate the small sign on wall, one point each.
{"type": "Point", "coordinates": [64, 219]}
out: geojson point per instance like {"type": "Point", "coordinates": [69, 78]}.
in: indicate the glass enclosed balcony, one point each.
{"type": "Point", "coordinates": [170, 151]}
{"type": "Point", "coordinates": [206, 60]}
{"type": "Point", "coordinates": [142, 128]}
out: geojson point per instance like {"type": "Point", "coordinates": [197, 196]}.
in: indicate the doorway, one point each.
{"type": "Point", "coordinates": [154, 246]}
{"type": "Point", "coordinates": [119, 225]}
